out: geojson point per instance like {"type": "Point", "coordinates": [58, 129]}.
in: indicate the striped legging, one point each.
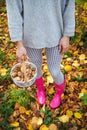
{"type": "Point", "coordinates": [53, 61]}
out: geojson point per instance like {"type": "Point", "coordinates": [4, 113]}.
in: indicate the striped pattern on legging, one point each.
{"type": "Point", "coordinates": [53, 61]}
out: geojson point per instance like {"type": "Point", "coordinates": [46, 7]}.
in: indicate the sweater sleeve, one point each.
{"type": "Point", "coordinates": [69, 18]}
{"type": "Point", "coordinates": [15, 19]}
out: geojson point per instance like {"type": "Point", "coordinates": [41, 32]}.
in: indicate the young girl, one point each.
{"type": "Point", "coordinates": [37, 24]}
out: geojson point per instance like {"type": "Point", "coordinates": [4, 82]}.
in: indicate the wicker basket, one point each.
{"type": "Point", "coordinates": [22, 83]}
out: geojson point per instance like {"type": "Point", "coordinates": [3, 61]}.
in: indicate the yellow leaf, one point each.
{"type": "Point", "coordinates": [78, 115]}
{"type": "Point", "coordinates": [15, 124]}
{"type": "Point", "coordinates": [81, 94]}
{"type": "Point", "coordinates": [82, 57]}
{"type": "Point", "coordinates": [2, 49]}
{"type": "Point", "coordinates": [43, 107]}
{"type": "Point", "coordinates": [69, 59]}
{"type": "Point", "coordinates": [3, 74]}
{"type": "Point", "coordinates": [29, 127]}
{"type": "Point", "coordinates": [64, 118]}
{"type": "Point", "coordinates": [85, 6]}
{"type": "Point", "coordinates": [45, 68]}
{"type": "Point", "coordinates": [17, 128]}
{"type": "Point", "coordinates": [80, 73]}
{"type": "Point", "coordinates": [78, 39]}
{"type": "Point", "coordinates": [76, 64]}
{"type": "Point", "coordinates": [36, 121]}
{"type": "Point", "coordinates": [68, 68]}
{"type": "Point", "coordinates": [78, 29]}
{"type": "Point", "coordinates": [81, 43]}
{"type": "Point", "coordinates": [27, 112]}
{"type": "Point", "coordinates": [40, 121]}
{"type": "Point", "coordinates": [3, 71]}
{"type": "Point", "coordinates": [61, 66]}
{"type": "Point", "coordinates": [49, 79]}
{"type": "Point", "coordinates": [84, 90]}
{"type": "Point", "coordinates": [44, 127]}
{"type": "Point", "coordinates": [51, 91]}
{"type": "Point", "coordinates": [69, 113]}
{"type": "Point", "coordinates": [85, 61]}
{"type": "Point", "coordinates": [75, 52]}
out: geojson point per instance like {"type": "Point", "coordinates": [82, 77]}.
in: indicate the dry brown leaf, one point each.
{"type": "Point", "coordinates": [18, 128]}
{"type": "Point", "coordinates": [23, 70]}
{"type": "Point", "coordinates": [64, 118]}
{"type": "Point", "coordinates": [17, 106]}
{"type": "Point", "coordinates": [22, 117]}
{"type": "Point", "coordinates": [36, 122]}
{"type": "Point", "coordinates": [22, 110]}
{"type": "Point", "coordinates": [16, 113]}
{"type": "Point", "coordinates": [11, 119]}
{"type": "Point", "coordinates": [53, 127]}
{"type": "Point", "coordinates": [73, 128]}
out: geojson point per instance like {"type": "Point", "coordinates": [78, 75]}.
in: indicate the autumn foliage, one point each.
{"type": "Point", "coordinates": [19, 109]}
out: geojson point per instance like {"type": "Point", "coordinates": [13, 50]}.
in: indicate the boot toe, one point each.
{"type": "Point", "coordinates": [41, 98]}
{"type": "Point", "coordinates": [55, 102]}
{"type": "Point", "coordinates": [41, 101]}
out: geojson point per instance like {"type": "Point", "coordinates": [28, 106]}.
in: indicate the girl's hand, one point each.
{"type": "Point", "coordinates": [64, 44]}
{"type": "Point", "coordinates": [21, 52]}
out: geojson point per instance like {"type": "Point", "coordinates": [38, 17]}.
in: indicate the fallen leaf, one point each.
{"type": "Point", "coordinates": [22, 117]}
{"type": "Point", "coordinates": [68, 68]}
{"type": "Point", "coordinates": [44, 127]}
{"type": "Point", "coordinates": [85, 6]}
{"type": "Point", "coordinates": [36, 122]}
{"type": "Point", "coordinates": [53, 127]}
{"type": "Point", "coordinates": [18, 128]}
{"type": "Point", "coordinates": [40, 121]}
{"type": "Point", "coordinates": [84, 90]}
{"type": "Point", "coordinates": [22, 110]}
{"type": "Point", "coordinates": [45, 68]}
{"type": "Point", "coordinates": [29, 127]}
{"type": "Point", "coordinates": [49, 79]}
{"type": "Point", "coordinates": [81, 43]}
{"type": "Point", "coordinates": [76, 64]}
{"type": "Point", "coordinates": [16, 113]}
{"type": "Point", "coordinates": [61, 66]}
{"type": "Point", "coordinates": [27, 112]}
{"type": "Point", "coordinates": [3, 71]}
{"type": "Point", "coordinates": [69, 59]}
{"type": "Point", "coordinates": [78, 115]}
{"type": "Point", "coordinates": [64, 118]}
{"type": "Point", "coordinates": [17, 106]}
{"type": "Point", "coordinates": [15, 124]}
{"type": "Point", "coordinates": [75, 52]}
{"type": "Point", "coordinates": [85, 61]}
{"type": "Point", "coordinates": [82, 58]}
{"type": "Point", "coordinates": [69, 113]}
{"type": "Point", "coordinates": [81, 95]}
{"type": "Point", "coordinates": [51, 91]}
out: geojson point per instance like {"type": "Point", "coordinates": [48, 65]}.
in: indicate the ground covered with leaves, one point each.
{"type": "Point", "coordinates": [19, 109]}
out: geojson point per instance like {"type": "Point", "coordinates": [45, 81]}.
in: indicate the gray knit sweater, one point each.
{"type": "Point", "coordinates": [40, 23]}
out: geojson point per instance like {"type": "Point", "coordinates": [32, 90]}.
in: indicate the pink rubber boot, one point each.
{"type": "Point", "coordinates": [57, 97]}
{"type": "Point", "coordinates": [40, 91]}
